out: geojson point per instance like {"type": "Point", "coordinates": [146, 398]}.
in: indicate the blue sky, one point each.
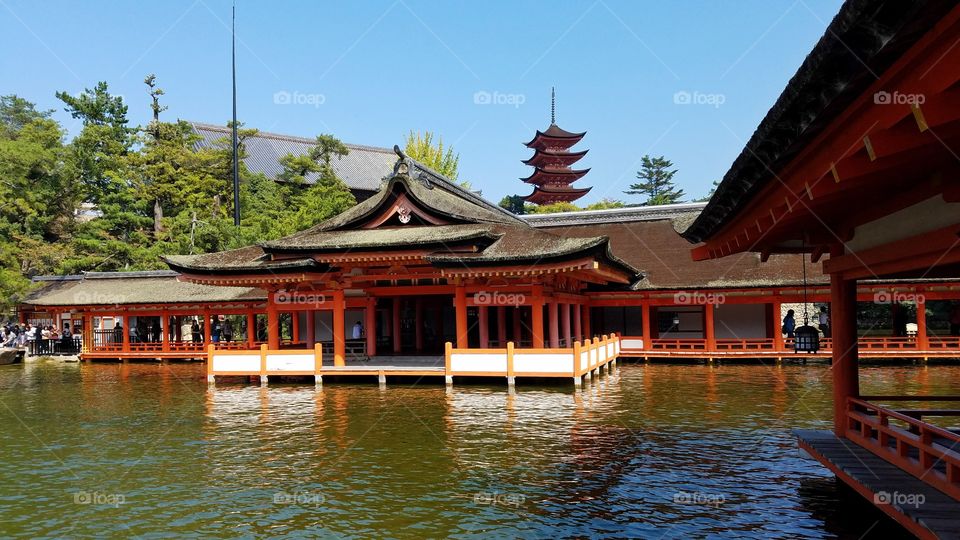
{"type": "Point", "coordinates": [370, 71]}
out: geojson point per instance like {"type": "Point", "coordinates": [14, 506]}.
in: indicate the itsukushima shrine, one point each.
{"type": "Point", "coordinates": [858, 162]}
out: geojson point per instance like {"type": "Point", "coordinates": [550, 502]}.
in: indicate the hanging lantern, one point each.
{"type": "Point", "coordinates": [806, 339]}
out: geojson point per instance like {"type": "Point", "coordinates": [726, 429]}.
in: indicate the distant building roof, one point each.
{"type": "Point", "coordinates": [647, 238]}
{"type": "Point", "coordinates": [362, 169]}
{"type": "Point", "coordinates": [122, 288]}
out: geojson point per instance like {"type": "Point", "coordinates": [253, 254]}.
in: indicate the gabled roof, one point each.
{"type": "Point", "coordinates": [361, 169]}
{"type": "Point", "coordinates": [416, 210]}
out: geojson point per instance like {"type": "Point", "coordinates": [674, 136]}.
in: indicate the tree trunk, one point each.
{"type": "Point", "coordinates": [157, 217]}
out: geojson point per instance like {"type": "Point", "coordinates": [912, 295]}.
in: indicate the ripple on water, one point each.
{"type": "Point", "coordinates": [651, 451]}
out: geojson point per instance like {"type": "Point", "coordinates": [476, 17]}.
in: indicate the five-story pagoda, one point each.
{"type": "Point", "coordinates": [552, 176]}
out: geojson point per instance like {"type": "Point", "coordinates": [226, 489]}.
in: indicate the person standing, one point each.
{"type": "Point", "coordinates": [824, 322]}
{"type": "Point", "coordinates": [789, 324]}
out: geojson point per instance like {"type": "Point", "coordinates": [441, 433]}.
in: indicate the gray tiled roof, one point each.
{"type": "Point", "coordinates": [361, 169]}
{"type": "Point", "coordinates": [117, 288]}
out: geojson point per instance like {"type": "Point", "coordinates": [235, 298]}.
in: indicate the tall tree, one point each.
{"type": "Point", "coordinates": [656, 175]}
{"type": "Point", "coordinates": [420, 146]}
{"type": "Point", "coordinates": [104, 140]}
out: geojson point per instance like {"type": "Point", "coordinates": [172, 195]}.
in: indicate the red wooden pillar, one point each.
{"type": "Point", "coordinates": [517, 331]}
{"type": "Point", "coordinates": [126, 333]}
{"type": "Point", "coordinates": [709, 327]}
{"type": "Point", "coordinates": [311, 323]}
{"type": "Point", "coordinates": [585, 316]}
{"type": "Point", "coordinates": [565, 324]}
{"type": "Point", "coordinates": [645, 324]}
{"type": "Point", "coordinates": [206, 328]}
{"type": "Point", "coordinates": [273, 326]}
{"type": "Point", "coordinates": [501, 326]}
{"type": "Point", "coordinates": [165, 331]}
{"type": "Point", "coordinates": [418, 327]}
{"type": "Point", "coordinates": [923, 342]}
{"type": "Point", "coordinates": [577, 322]}
{"type": "Point", "coordinates": [395, 326]}
{"type": "Point", "coordinates": [846, 384]}
{"type": "Point", "coordinates": [251, 329]}
{"type": "Point", "coordinates": [554, 323]}
{"type": "Point", "coordinates": [484, 322]}
{"type": "Point", "coordinates": [536, 317]}
{"type": "Point", "coordinates": [339, 335]}
{"type": "Point", "coordinates": [371, 326]}
{"type": "Point", "coordinates": [295, 322]}
{"type": "Point", "coordinates": [460, 303]}
{"type": "Point", "coordinates": [778, 324]}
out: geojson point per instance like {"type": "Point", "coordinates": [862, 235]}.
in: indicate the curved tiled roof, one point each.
{"type": "Point", "coordinates": [119, 288]}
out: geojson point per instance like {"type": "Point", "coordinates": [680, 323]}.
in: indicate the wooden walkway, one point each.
{"type": "Point", "coordinates": [921, 509]}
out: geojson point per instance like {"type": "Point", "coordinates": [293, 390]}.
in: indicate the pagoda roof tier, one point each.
{"type": "Point", "coordinates": [419, 217]}
{"type": "Point", "coordinates": [545, 158]}
{"type": "Point", "coordinates": [552, 194]}
{"type": "Point", "coordinates": [554, 137]}
{"type": "Point", "coordinates": [555, 176]}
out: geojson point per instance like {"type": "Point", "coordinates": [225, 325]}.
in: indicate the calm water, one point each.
{"type": "Point", "coordinates": [652, 451]}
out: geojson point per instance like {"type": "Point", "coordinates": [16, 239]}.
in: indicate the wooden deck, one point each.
{"type": "Point", "coordinates": [924, 511]}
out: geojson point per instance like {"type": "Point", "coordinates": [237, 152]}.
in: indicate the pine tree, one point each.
{"type": "Point", "coordinates": [657, 182]}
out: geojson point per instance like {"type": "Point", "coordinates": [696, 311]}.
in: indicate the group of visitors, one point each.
{"type": "Point", "coordinates": [39, 339]}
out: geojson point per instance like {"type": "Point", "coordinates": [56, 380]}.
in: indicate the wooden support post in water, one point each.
{"type": "Point", "coordinates": [510, 377]}
{"type": "Point", "coordinates": [460, 304]}
{"type": "Point", "coordinates": [843, 305]}
{"type": "Point", "coordinates": [263, 365]}
{"type": "Point", "coordinates": [536, 317]}
{"type": "Point", "coordinates": [210, 355]}
{"type": "Point", "coordinates": [339, 336]}
{"type": "Point", "coordinates": [371, 326]}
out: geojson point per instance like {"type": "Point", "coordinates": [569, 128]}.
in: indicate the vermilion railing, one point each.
{"type": "Point", "coordinates": [872, 344]}
{"type": "Point", "coordinates": [902, 438]}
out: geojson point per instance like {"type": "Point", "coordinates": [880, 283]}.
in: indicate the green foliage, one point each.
{"type": "Point", "coordinates": [514, 203]}
{"type": "Point", "coordinates": [442, 159]}
{"type": "Point", "coordinates": [554, 208]}
{"type": "Point", "coordinates": [604, 204]}
{"type": "Point", "coordinates": [117, 198]}
{"type": "Point", "coordinates": [656, 182]}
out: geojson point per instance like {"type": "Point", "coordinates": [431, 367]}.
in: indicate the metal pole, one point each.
{"type": "Point", "coordinates": [236, 158]}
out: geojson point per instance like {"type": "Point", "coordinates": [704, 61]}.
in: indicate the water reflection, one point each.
{"type": "Point", "coordinates": [647, 451]}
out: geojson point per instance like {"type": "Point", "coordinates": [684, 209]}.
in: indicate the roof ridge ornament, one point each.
{"type": "Point", "coordinates": [407, 166]}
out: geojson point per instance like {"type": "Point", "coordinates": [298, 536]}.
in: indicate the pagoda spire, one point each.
{"type": "Point", "coordinates": [552, 175]}
{"type": "Point", "coordinates": [553, 105]}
